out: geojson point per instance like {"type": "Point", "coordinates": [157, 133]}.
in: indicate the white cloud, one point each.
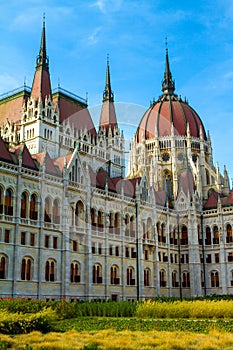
{"type": "Point", "coordinates": [106, 6]}
{"type": "Point", "coordinates": [94, 36]}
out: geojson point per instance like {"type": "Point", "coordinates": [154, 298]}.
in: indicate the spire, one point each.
{"type": "Point", "coordinates": [41, 86]}
{"type": "Point", "coordinates": [108, 115]}
{"type": "Point", "coordinates": [168, 85]}
{"type": "Point", "coordinates": [108, 94]}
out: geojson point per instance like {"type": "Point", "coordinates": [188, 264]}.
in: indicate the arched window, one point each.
{"type": "Point", "coordinates": [127, 220]}
{"type": "Point", "coordinates": [93, 217]}
{"type": "Point", "coordinates": [185, 280]}
{"type": "Point", "coordinates": [75, 272]}
{"type": "Point", "coordinates": [3, 266]}
{"type": "Point", "coordinates": [9, 202]}
{"type": "Point", "coordinates": [50, 272]}
{"type": "Point", "coordinates": [207, 177]}
{"type": "Point", "coordinates": [208, 236]}
{"type": "Point", "coordinates": [130, 278]}
{"type": "Point", "coordinates": [45, 133]}
{"type": "Point", "coordinates": [33, 207]}
{"type": "Point", "coordinates": [79, 214]}
{"type": "Point", "coordinates": [163, 233]}
{"type": "Point", "coordinates": [175, 283]}
{"type": "Point", "coordinates": [47, 210]}
{"type": "Point", "coordinates": [162, 276]}
{"type": "Point", "coordinates": [147, 277]}
{"type": "Point", "coordinates": [216, 235]}
{"type": "Point", "coordinates": [114, 279]}
{"type": "Point", "coordinates": [229, 234]}
{"type": "Point", "coordinates": [117, 223]}
{"type": "Point", "coordinates": [1, 200]}
{"type": "Point", "coordinates": [97, 273]}
{"type": "Point", "coordinates": [158, 231]}
{"type": "Point", "coordinates": [26, 269]}
{"type": "Point", "coordinates": [214, 278]}
{"type": "Point", "coordinates": [24, 204]}
{"type": "Point", "coordinates": [149, 229]}
{"type": "Point", "coordinates": [100, 220]}
{"type": "Point", "coordinates": [184, 235]}
{"type": "Point", "coordinates": [132, 230]}
{"type": "Point", "coordinates": [56, 211]}
{"type": "Point", "coordinates": [231, 277]}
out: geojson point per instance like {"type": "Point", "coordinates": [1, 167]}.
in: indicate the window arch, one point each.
{"type": "Point", "coordinates": [24, 205]}
{"type": "Point", "coordinates": [75, 272]}
{"type": "Point", "coordinates": [1, 199]}
{"type": "Point", "coordinates": [162, 277]}
{"type": "Point", "coordinates": [33, 211]}
{"type": "Point", "coordinates": [215, 235]}
{"type": "Point", "coordinates": [97, 273]}
{"type": "Point", "coordinates": [50, 270]}
{"type": "Point", "coordinates": [47, 210]}
{"type": "Point", "coordinates": [214, 279]}
{"type": "Point", "coordinates": [184, 235]}
{"type": "Point", "coordinates": [114, 272]}
{"type": "Point", "coordinates": [208, 236]}
{"type": "Point", "coordinates": [26, 269]}
{"type": "Point", "coordinates": [3, 266]}
{"type": "Point", "coordinates": [130, 277]}
{"type": "Point", "coordinates": [185, 280]}
{"type": "Point", "coordinates": [56, 211]}
{"type": "Point", "coordinates": [175, 283]}
{"type": "Point", "coordinates": [9, 202]}
{"type": "Point", "coordinates": [229, 234]}
{"type": "Point", "coordinates": [79, 214]}
{"type": "Point", "coordinates": [147, 277]}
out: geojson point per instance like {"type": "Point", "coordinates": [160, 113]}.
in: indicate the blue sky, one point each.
{"type": "Point", "coordinates": [80, 34]}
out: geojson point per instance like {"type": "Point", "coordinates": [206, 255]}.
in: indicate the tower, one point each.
{"type": "Point", "coordinates": [109, 137]}
{"type": "Point", "coordinates": [40, 117]}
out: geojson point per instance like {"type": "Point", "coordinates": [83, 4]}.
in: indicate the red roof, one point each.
{"type": "Point", "coordinates": [5, 154]}
{"type": "Point", "coordinates": [61, 160]}
{"type": "Point", "coordinates": [160, 116]}
{"type": "Point", "coordinates": [108, 116]}
{"type": "Point", "coordinates": [27, 160]}
{"type": "Point", "coordinates": [44, 158]}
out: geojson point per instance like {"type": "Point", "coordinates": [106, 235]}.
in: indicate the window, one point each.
{"type": "Point", "coordinates": [23, 211]}
{"type": "Point", "coordinates": [54, 242]}
{"type": "Point", "coordinates": [229, 234]}
{"type": "Point", "coordinates": [117, 251]}
{"type": "Point", "coordinates": [100, 248]}
{"type": "Point", "coordinates": [147, 277]}
{"type": "Point", "coordinates": [217, 258]}
{"type": "Point", "coordinates": [7, 236]}
{"type": "Point", "coordinates": [185, 280]}
{"type": "Point", "coordinates": [33, 207]}
{"type": "Point", "coordinates": [133, 253]}
{"type": "Point", "coordinates": [75, 246]}
{"type": "Point", "coordinates": [9, 202]}
{"type": "Point", "coordinates": [47, 210]}
{"type": "Point", "coordinates": [146, 254]}
{"type": "Point", "coordinates": [162, 276]}
{"type": "Point", "coordinates": [214, 278]}
{"type": "Point", "coordinates": [32, 239]}
{"type": "Point", "coordinates": [208, 259]}
{"type": "Point", "coordinates": [216, 235]}
{"type": "Point", "coordinates": [127, 252]}
{"type": "Point", "coordinates": [175, 283]}
{"type": "Point", "coordinates": [2, 267]}
{"type": "Point", "coordinates": [75, 272]}
{"type": "Point", "coordinates": [23, 238]}
{"type": "Point", "coordinates": [50, 270]}
{"type": "Point", "coordinates": [46, 241]}
{"type": "Point", "coordinates": [56, 211]}
{"type": "Point", "coordinates": [1, 200]}
{"type": "Point", "coordinates": [184, 235]}
{"type": "Point", "coordinates": [97, 273]}
{"type": "Point", "coordinates": [208, 236]}
{"type": "Point", "coordinates": [130, 276]}
{"type": "Point", "coordinates": [26, 269]}
{"type": "Point", "coordinates": [114, 279]}
{"type": "Point", "coordinates": [79, 214]}
{"type": "Point", "coordinates": [110, 250]}
{"type": "Point", "coordinates": [93, 248]}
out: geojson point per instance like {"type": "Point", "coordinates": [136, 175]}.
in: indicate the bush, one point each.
{"type": "Point", "coordinates": [24, 323]}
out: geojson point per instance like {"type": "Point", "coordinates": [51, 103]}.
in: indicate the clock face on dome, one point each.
{"type": "Point", "coordinates": [165, 157]}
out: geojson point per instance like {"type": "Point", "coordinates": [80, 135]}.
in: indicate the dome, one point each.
{"type": "Point", "coordinates": [169, 110]}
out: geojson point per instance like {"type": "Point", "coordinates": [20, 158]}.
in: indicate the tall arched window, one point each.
{"type": "Point", "coordinates": [132, 226]}
{"type": "Point", "coordinates": [3, 266]}
{"type": "Point", "coordinates": [75, 272]}
{"type": "Point", "coordinates": [24, 205]}
{"type": "Point", "coordinates": [216, 235]}
{"type": "Point", "coordinates": [175, 283]}
{"type": "Point", "coordinates": [114, 279]}
{"type": "Point", "coordinates": [147, 277]}
{"type": "Point", "coordinates": [208, 236]}
{"type": "Point", "coordinates": [9, 202]}
{"type": "Point", "coordinates": [26, 269]}
{"type": "Point", "coordinates": [56, 211]}
{"type": "Point", "coordinates": [229, 234]}
{"type": "Point", "coordinates": [130, 278]}
{"type": "Point", "coordinates": [47, 210]}
{"type": "Point", "coordinates": [1, 200]}
{"type": "Point", "coordinates": [100, 220]}
{"type": "Point", "coordinates": [33, 212]}
{"type": "Point", "coordinates": [50, 270]}
{"type": "Point", "coordinates": [163, 233]}
{"type": "Point", "coordinates": [185, 280]}
{"type": "Point", "coordinates": [97, 273]}
{"type": "Point", "coordinates": [162, 276]}
{"type": "Point", "coordinates": [214, 278]}
{"type": "Point", "coordinates": [79, 214]}
{"type": "Point", "coordinates": [184, 235]}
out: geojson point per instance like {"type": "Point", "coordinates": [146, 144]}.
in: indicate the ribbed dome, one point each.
{"type": "Point", "coordinates": [168, 111]}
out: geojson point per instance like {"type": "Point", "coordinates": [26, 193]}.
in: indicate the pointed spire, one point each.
{"type": "Point", "coordinates": [108, 114]}
{"type": "Point", "coordinates": [168, 85]}
{"type": "Point", "coordinates": [108, 94]}
{"type": "Point", "coordinates": [41, 86]}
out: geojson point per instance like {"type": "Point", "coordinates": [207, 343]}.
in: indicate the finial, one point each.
{"type": "Point", "coordinates": [108, 59]}
{"type": "Point", "coordinates": [166, 46]}
{"type": "Point", "coordinates": [58, 82]}
{"type": "Point", "coordinates": [44, 20]}
{"type": "Point", "coordinates": [168, 85]}
{"type": "Point", "coordinates": [24, 82]}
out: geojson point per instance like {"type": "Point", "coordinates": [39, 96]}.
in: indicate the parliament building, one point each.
{"type": "Point", "coordinates": [76, 225]}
